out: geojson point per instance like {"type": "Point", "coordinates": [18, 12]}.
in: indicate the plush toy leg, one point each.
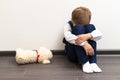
{"type": "Point", "coordinates": [46, 61]}
{"type": "Point", "coordinates": [20, 61]}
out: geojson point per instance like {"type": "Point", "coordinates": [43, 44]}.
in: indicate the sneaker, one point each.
{"type": "Point", "coordinates": [87, 68]}
{"type": "Point", "coordinates": [95, 67]}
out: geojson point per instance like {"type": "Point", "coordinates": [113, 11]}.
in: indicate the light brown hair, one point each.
{"type": "Point", "coordinates": [81, 15]}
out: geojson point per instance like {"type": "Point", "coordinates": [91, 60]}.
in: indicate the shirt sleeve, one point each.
{"type": "Point", "coordinates": [96, 34]}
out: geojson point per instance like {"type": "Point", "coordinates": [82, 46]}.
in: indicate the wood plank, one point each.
{"type": "Point", "coordinates": [59, 69]}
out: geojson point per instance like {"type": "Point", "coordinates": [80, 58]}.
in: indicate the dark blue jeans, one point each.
{"type": "Point", "coordinates": [77, 53]}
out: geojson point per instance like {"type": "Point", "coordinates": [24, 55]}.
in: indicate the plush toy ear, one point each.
{"type": "Point", "coordinates": [46, 61]}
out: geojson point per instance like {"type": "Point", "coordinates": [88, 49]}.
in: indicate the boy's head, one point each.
{"type": "Point", "coordinates": [81, 15]}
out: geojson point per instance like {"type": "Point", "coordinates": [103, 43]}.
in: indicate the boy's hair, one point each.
{"type": "Point", "coordinates": [81, 15]}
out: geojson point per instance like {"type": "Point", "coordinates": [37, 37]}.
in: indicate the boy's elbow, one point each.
{"type": "Point", "coordinates": [97, 38]}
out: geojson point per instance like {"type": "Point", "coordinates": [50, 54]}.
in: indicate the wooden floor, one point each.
{"type": "Point", "coordinates": [59, 69]}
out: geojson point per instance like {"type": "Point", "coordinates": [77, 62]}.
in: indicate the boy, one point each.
{"type": "Point", "coordinates": [80, 40]}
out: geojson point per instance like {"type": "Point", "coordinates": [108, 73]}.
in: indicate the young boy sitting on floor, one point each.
{"type": "Point", "coordinates": [80, 40]}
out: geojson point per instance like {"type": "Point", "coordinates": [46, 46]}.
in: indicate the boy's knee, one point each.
{"type": "Point", "coordinates": [78, 29]}
{"type": "Point", "coordinates": [90, 28]}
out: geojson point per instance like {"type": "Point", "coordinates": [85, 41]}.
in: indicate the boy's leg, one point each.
{"type": "Point", "coordinates": [89, 29]}
{"type": "Point", "coordinates": [81, 55]}
{"type": "Point", "coordinates": [80, 52]}
{"type": "Point", "coordinates": [70, 52]}
{"type": "Point", "coordinates": [93, 60]}
{"type": "Point", "coordinates": [78, 29]}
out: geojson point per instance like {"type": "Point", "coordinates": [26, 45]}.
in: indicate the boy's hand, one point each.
{"type": "Point", "coordinates": [83, 37]}
{"type": "Point", "coordinates": [88, 49]}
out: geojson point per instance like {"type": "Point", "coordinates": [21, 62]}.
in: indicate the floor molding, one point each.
{"type": "Point", "coordinates": [61, 52]}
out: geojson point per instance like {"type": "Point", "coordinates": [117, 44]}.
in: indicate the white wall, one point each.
{"type": "Point", "coordinates": [30, 24]}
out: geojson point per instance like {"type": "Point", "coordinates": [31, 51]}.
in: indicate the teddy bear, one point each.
{"type": "Point", "coordinates": [42, 55]}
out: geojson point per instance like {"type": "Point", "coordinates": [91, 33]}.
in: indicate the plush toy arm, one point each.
{"type": "Point", "coordinates": [46, 61]}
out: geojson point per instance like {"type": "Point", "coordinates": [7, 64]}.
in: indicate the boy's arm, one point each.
{"type": "Point", "coordinates": [94, 35]}
{"type": "Point", "coordinates": [83, 37]}
{"type": "Point", "coordinates": [88, 49]}
{"type": "Point", "coordinates": [71, 37]}
{"type": "Point", "coordinates": [80, 39]}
